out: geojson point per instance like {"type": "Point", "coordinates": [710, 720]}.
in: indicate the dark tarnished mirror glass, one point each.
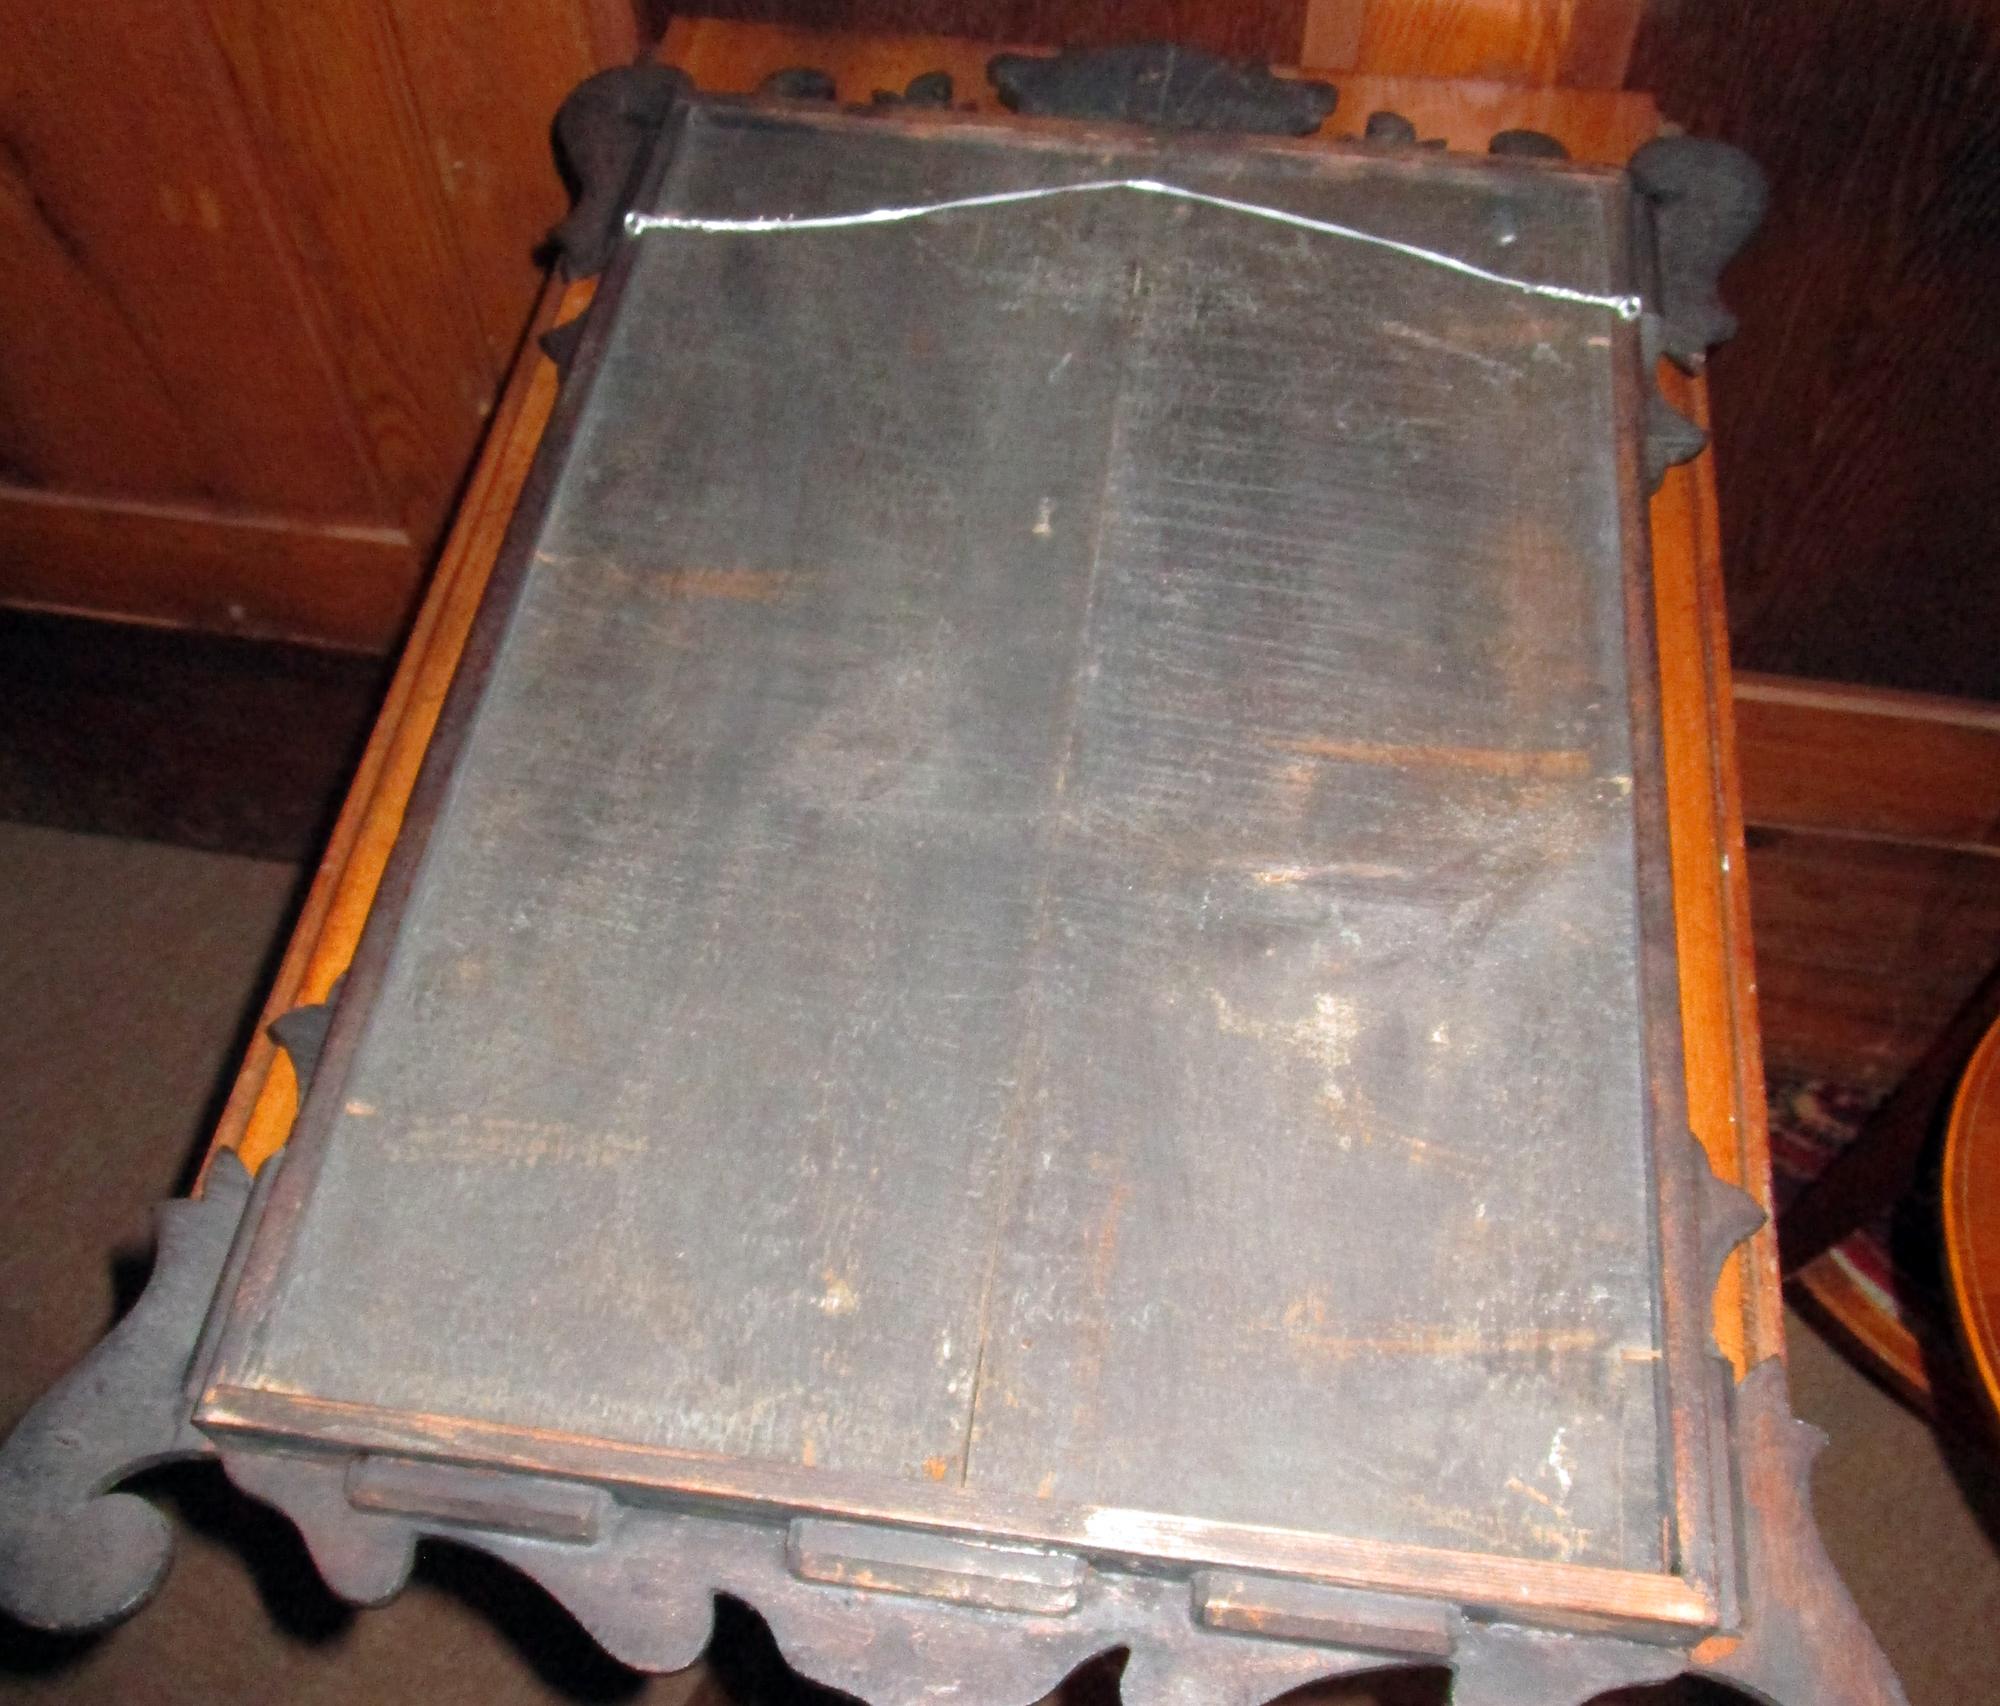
{"type": "Point", "coordinates": [1046, 913]}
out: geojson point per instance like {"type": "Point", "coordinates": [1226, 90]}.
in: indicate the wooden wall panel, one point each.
{"type": "Point", "coordinates": [158, 335]}
{"type": "Point", "coordinates": [486, 89]}
{"type": "Point", "coordinates": [1580, 44]}
{"type": "Point", "coordinates": [336, 127]}
{"type": "Point", "coordinates": [1855, 458]}
{"type": "Point", "coordinates": [1874, 869]}
{"type": "Point", "coordinates": [1868, 762]}
{"type": "Point", "coordinates": [1865, 949]}
{"type": "Point", "coordinates": [197, 566]}
{"type": "Point", "coordinates": [261, 265]}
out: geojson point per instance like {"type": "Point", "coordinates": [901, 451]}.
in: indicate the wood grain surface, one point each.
{"type": "Point", "coordinates": [206, 353]}
{"type": "Point", "coordinates": [1972, 1213]}
{"type": "Point", "coordinates": [1875, 867]}
{"type": "Point", "coordinates": [1566, 43]}
{"type": "Point", "coordinates": [1865, 948]}
{"type": "Point", "coordinates": [1875, 861]}
{"type": "Point", "coordinates": [199, 565]}
{"type": "Point", "coordinates": [337, 138]}
{"type": "Point", "coordinates": [258, 1114]}
{"type": "Point", "coordinates": [486, 88]}
{"type": "Point", "coordinates": [263, 268]}
{"type": "Point", "coordinates": [160, 333]}
{"type": "Point", "coordinates": [1860, 503]}
{"type": "Point", "coordinates": [1870, 762]}
{"type": "Point", "coordinates": [1720, 1034]}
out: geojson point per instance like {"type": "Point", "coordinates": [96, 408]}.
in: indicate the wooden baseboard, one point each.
{"type": "Point", "coordinates": [1873, 822]}
{"type": "Point", "coordinates": [193, 566]}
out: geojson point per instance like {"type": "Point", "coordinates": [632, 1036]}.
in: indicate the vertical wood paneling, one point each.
{"type": "Point", "coordinates": [1574, 43]}
{"type": "Point", "coordinates": [261, 265]}
{"type": "Point", "coordinates": [1876, 867]}
{"type": "Point", "coordinates": [157, 334]}
{"type": "Point", "coordinates": [81, 400]}
{"type": "Point", "coordinates": [1852, 409]}
{"type": "Point", "coordinates": [327, 98]}
{"type": "Point", "coordinates": [486, 95]}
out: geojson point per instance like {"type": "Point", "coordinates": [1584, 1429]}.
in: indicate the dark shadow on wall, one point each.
{"type": "Point", "coordinates": [1852, 410]}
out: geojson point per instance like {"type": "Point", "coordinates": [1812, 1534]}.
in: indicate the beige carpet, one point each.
{"type": "Point", "coordinates": [127, 972]}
